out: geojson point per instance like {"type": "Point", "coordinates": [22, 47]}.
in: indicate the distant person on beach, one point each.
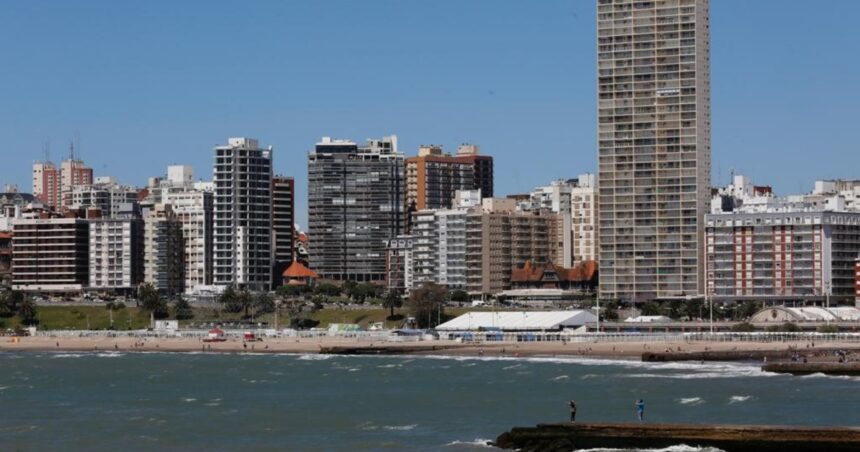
{"type": "Point", "coordinates": [640, 410]}
{"type": "Point", "coordinates": [572, 410]}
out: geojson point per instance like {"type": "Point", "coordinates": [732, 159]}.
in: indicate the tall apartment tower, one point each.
{"type": "Point", "coordinates": [654, 140]}
{"type": "Point", "coordinates": [46, 183]}
{"type": "Point", "coordinates": [355, 206]}
{"type": "Point", "coordinates": [163, 265]}
{"type": "Point", "coordinates": [283, 225]}
{"type": "Point", "coordinates": [243, 215]}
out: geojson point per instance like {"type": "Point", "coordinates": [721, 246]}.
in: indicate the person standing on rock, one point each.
{"type": "Point", "coordinates": [572, 410]}
{"type": "Point", "coordinates": [640, 410]}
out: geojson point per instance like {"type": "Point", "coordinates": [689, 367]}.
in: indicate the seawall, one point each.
{"type": "Point", "coordinates": [730, 438]}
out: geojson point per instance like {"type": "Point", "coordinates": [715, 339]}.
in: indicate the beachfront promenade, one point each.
{"type": "Point", "coordinates": [535, 344]}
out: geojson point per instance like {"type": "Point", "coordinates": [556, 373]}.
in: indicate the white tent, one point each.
{"type": "Point", "coordinates": [648, 319]}
{"type": "Point", "coordinates": [519, 320]}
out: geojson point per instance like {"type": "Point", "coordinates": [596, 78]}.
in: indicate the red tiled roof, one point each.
{"type": "Point", "coordinates": [298, 270]}
{"type": "Point", "coordinates": [584, 271]}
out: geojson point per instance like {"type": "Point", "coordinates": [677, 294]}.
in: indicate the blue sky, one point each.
{"type": "Point", "coordinates": [148, 84]}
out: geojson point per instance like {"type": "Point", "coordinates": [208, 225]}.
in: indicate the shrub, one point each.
{"type": "Point", "coordinates": [827, 329]}
{"type": "Point", "coordinates": [743, 327]}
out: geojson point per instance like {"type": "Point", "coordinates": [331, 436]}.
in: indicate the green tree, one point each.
{"type": "Point", "coordinates": [392, 300]}
{"type": "Point", "coordinates": [651, 308]}
{"type": "Point", "coordinates": [460, 296]}
{"type": "Point", "coordinates": [748, 308]}
{"type": "Point", "coordinates": [327, 289]}
{"type": "Point", "coordinates": [28, 312]}
{"type": "Point", "coordinates": [245, 301]}
{"type": "Point", "coordinates": [743, 327]}
{"type": "Point", "coordinates": [182, 310]}
{"type": "Point", "coordinates": [10, 302]}
{"type": "Point", "coordinates": [692, 309]}
{"type": "Point", "coordinates": [150, 300]}
{"type": "Point", "coordinates": [427, 304]}
{"type": "Point", "coordinates": [674, 308]}
{"type": "Point", "coordinates": [229, 300]}
{"type": "Point", "coordinates": [287, 291]}
{"type": "Point", "coordinates": [610, 310]}
{"type": "Point", "coordinates": [263, 304]}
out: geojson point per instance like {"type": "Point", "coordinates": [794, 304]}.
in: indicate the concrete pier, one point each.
{"type": "Point", "coordinates": [738, 355]}
{"type": "Point", "coordinates": [829, 368]}
{"type": "Point", "coordinates": [730, 438]}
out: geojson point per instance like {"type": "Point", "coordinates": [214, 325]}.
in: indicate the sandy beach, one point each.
{"type": "Point", "coordinates": [610, 350]}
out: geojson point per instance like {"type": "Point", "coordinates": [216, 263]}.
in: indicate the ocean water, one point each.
{"type": "Point", "coordinates": [197, 401]}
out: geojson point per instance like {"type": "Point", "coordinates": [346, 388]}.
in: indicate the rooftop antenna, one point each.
{"type": "Point", "coordinates": [78, 141]}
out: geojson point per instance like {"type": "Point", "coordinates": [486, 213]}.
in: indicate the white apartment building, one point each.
{"type": "Point", "coordinates": [193, 205]}
{"type": "Point", "coordinates": [193, 209]}
{"type": "Point", "coordinates": [116, 252]}
{"type": "Point", "coordinates": [243, 215]}
{"type": "Point", "coordinates": [654, 141]}
{"type": "Point", "coordinates": [475, 248]}
{"type": "Point", "coordinates": [105, 194]}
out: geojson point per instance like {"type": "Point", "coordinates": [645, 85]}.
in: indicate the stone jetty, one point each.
{"type": "Point", "coordinates": [730, 438]}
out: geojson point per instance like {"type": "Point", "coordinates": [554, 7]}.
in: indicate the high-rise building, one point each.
{"type": "Point", "coordinates": [163, 249]}
{"type": "Point", "coordinates": [116, 251]}
{"type": "Point", "coordinates": [50, 254]}
{"type": "Point", "coordinates": [192, 204]}
{"type": "Point", "coordinates": [654, 145]}
{"type": "Point", "coordinates": [105, 194]}
{"type": "Point", "coordinates": [792, 253]}
{"type": "Point", "coordinates": [399, 263]}
{"type": "Point", "coordinates": [74, 173]}
{"type": "Point", "coordinates": [243, 215]}
{"type": "Point", "coordinates": [355, 205]}
{"type": "Point", "coordinates": [193, 209]}
{"type": "Point", "coordinates": [433, 177]}
{"type": "Point", "coordinates": [46, 183]}
{"type": "Point", "coordinates": [283, 225]}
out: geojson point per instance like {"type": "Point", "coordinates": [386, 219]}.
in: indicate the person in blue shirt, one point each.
{"type": "Point", "coordinates": [640, 410]}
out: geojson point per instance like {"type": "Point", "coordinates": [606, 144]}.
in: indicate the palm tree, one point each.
{"type": "Point", "coordinates": [27, 311]}
{"type": "Point", "coordinates": [392, 300]}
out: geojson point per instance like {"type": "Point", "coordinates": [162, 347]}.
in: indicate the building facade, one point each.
{"type": "Point", "coordinates": [433, 177]}
{"type": "Point", "coordinates": [283, 225]}
{"type": "Point", "coordinates": [476, 248]}
{"type": "Point", "coordinates": [50, 255]}
{"type": "Point", "coordinates": [163, 250]}
{"type": "Point", "coordinates": [355, 206]}
{"type": "Point", "coordinates": [243, 215]}
{"type": "Point", "coordinates": [398, 265]}
{"type": "Point", "coordinates": [654, 146]}
{"type": "Point", "coordinates": [46, 183]}
{"type": "Point", "coordinates": [575, 200]}
{"type": "Point", "coordinates": [116, 252]}
{"type": "Point", "coordinates": [782, 255]}
{"type": "Point", "coordinates": [106, 195]}
{"type": "Point", "coordinates": [194, 210]}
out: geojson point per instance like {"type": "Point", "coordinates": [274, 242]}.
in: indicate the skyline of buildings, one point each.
{"type": "Point", "coordinates": [377, 215]}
